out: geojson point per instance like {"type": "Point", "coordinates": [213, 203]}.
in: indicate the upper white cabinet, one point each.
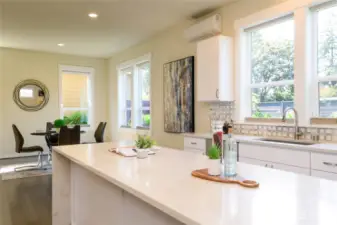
{"type": "Point", "coordinates": [215, 69]}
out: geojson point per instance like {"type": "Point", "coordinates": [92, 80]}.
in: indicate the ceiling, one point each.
{"type": "Point", "coordinates": [40, 26]}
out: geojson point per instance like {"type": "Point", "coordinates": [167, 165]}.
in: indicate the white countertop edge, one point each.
{"type": "Point", "coordinates": [326, 148]}
{"type": "Point", "coordinates": [309, 148]}
{"type": "Point", "coordinates": [178, 216]}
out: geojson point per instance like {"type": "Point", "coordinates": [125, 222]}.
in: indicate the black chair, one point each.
{"type": "Point", "coordinates": [51, 139]}
{"type": "Point", "coordinates": [70, 136]}
{"type": "Point", "coordinates": [99, 133]}
{"type": "Point", "coordinates": [19, 143]}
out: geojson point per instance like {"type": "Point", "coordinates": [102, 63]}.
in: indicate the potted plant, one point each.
{"type": "Point", "coordinates": [214, 168]}
{"type": "Point", "coordinates": [58, 124]}
{"type": "Point", "coordinates": [143, 144]}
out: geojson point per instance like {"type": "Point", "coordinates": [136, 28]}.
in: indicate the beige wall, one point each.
{"type": "Point", "coordinates": [170, 45]}
{"type": "Point", "coordinates": [18, 65]}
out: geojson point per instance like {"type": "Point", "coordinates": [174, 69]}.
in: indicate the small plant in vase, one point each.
{"type": "Point", "coordinates": [58, 124]}
{"type": "Point", "coordinates": [213, 154]}
{"type": "Point", "coordinates": [143, 144]}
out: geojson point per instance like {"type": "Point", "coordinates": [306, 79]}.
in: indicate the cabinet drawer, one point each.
{"type": "Point", "coordinates": [324, 175]}
{"type": "Point", "coordinates": [277, 155]}
{"type": "Point", "coordinates": [278, 166]}
{"type": "Point", "coordinates": [195, 143]}
{"type": "Point", "coordinates": [198, 151]}
{"type": "Point", "coordinates": [324, 162]}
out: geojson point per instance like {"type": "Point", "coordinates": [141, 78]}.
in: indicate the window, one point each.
{"type": "Point", "coordinates": [144, 96]}
{"type": "Point", "coordinates": [75, 96]}
{"type": "Point", "coordinates": [134, 94]}
{"type": "Point", "coordinates": [271, 50]}
{"type": "Point", "coordinates": [327, 61]}
{"type": "Point", "coordinates": [26, 93]}
{"type": "Point", "coordinates": [126, 96]}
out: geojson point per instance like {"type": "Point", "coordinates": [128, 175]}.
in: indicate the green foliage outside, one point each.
{"type": "Point", "coordinates": [271, 61]}
{"type": "Point", "coordinates": [213, 152]}
{"type": "Point", "coordinates": [76, 118]}
{"type": "Point", "coordinates": [146, 120]}
{"type": "Point", "coordinates": [327, 57]}
{"type": "Point", "coordinates": [144, 142]}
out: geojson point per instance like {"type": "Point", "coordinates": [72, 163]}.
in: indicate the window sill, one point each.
{"type": "Point", "coordinates": [142, 128]}
{"type": "Point", "coordinates": [268, 120]}
{"type": "Point", "coordinates": [131, 128]}
{"type": "Point", "coordinates": [323, 121]}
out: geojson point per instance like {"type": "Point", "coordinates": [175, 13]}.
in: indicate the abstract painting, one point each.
{"type": "Point", "coordinates": [179, 96]}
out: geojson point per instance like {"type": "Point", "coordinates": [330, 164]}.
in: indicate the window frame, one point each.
{"type": "Point", "coordinates": [135, 92]}
{"type": "Point", "coordinates": [123, 108]}
{"type": "Point", "coordinates": [139, 99]}
{"type": "Point", "coordinates": [87, 71]}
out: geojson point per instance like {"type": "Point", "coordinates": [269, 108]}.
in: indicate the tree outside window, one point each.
{"type": "Point", "coordinates": [272, 69]}
{"type": "Point", "coordinates": [327, 62]}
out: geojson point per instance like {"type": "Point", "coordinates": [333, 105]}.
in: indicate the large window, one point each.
{"type": "Point", "coordinates": [75, 96]}
{"type": "Point", "coordinates": [126, 84]}
{"type": "Point", "coordinates": [134, 94]}
{"type": "Point", "coordinates": [144, 95]}
{"type": "Point", "coordinates": [327, 61]}
{"type": "Point", "coordinates": [272, 68]}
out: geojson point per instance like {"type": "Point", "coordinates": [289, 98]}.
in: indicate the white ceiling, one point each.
{"type": "Point", "coordinates": [28, 24]}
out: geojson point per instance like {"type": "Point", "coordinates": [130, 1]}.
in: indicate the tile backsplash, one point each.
{"type": "Point", "coordinates": [219, 113]}
{"type": "Point", "coordinates": [279, 131]}
{"type": "Point", "coordinates": [222, 112]}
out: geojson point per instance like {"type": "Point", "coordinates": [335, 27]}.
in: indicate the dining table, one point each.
{"type": "Point", "coordinates": [44, 133]}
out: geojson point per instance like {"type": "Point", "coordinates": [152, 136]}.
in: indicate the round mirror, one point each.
{"type": "Point", "coordinates": [31, 95]}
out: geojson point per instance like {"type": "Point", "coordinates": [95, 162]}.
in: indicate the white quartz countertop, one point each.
{"type": "Point", "coordinates": [164, 181]}
{"type": "Point", "coordinates": [328, 148]}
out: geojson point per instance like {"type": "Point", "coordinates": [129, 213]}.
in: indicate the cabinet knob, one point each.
{"type": "Point", "coordinates": [266, 165]}
{"type": "Point", "coordinates": [217, 93]}
{"type": "Point", "coordinates": [272, 166]}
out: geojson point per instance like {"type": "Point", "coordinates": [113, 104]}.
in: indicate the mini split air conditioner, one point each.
{"type": "Point", "coordinates": [204, 29]}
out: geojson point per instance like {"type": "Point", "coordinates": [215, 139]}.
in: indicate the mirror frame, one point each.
{"type": "Point", "coordinates": [16, 95]}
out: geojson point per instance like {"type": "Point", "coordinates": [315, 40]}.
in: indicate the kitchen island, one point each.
{"type": "Point", "coordinates": [93, 186]}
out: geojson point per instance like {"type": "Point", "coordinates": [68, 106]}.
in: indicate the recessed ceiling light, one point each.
{"type": "Point", "coordinates": [93, 15]}
{"type": "Point", "coordinates": [60, 44]}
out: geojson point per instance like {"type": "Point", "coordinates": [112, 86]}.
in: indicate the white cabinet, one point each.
{"type": "Point", "coordinates": [215, 69]}
{"type": "Point", "coordinates": [276, 155]}
{"type": "Point", "coordinates": [325, 175]}
{"type": "Point", "coordinates": [324, 166]}
{"type": "Point", "coordinates": [278, 166]}
{"type": "Point", "coordinates": [324, 162]}
{"type": "Point", "coordinates": [197, 145]}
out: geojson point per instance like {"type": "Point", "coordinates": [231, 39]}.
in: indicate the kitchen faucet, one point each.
{"type": "Point", "coordinates": [297, 132]}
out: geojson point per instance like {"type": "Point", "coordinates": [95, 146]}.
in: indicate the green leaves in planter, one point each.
{"type": "Point", "coordinates": [59, 123]}
{"type": "Point", "coordinates": [76, 118]}
{"type": "Point", "coordinates": [144, 142]}
{"type": "Point", "coordinates": [213, 152]}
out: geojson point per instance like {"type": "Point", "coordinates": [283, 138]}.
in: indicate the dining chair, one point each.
{"type": "Point", "coordinates": [99, 133]}
{"type": "Point", "coordinates": [19, 148]}
{"type": "Point", "coordinates": [51, 139]}
{"type": "Point", "coordinates": [70, 135]}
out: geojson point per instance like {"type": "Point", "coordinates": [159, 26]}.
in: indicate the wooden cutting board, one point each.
{"type": "Point", "coordinates": [203, 174]}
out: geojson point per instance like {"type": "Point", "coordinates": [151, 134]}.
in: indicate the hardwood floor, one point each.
{"type": "Point", "coordinates": [26, 201]}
